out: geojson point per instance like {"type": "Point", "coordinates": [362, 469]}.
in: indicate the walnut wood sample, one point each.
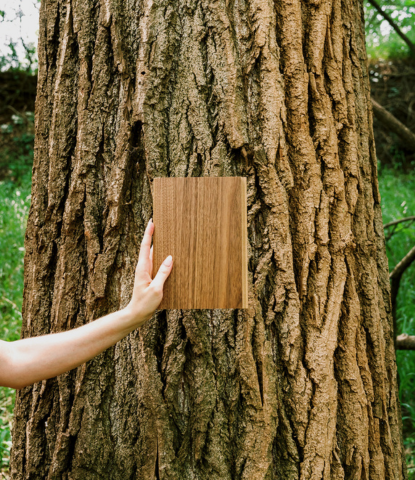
{"type": "Point", "coordinates": [201, 222]}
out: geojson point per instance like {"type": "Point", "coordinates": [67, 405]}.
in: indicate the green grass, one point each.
{"type": "Point", "coordinates": [14, 207]}
{"type": "Point", "coordinates": [7, 397]}
{"type": "Point", "coordinates": [398, 201]}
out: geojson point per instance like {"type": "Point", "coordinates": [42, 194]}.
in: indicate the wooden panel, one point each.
{"type": "Point", "coordinates": [201, 222]}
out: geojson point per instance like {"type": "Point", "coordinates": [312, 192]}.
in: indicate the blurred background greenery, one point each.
{"type": "Point", "coordinates": [392, 75]}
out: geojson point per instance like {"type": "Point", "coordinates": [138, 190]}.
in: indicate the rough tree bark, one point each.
{"type": "Point", "coordinates": [303, 384]}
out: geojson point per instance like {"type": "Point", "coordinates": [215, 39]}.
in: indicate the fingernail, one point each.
{"type": "Point", "coordinates": [168, 261]}
{"type": "Point", "coordinates": [149, 222]}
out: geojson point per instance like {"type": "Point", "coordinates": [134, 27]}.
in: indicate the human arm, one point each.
{"type": "Point", "coordinates": [30, 360]}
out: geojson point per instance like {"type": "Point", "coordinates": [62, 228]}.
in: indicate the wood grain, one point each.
{"type": "Point", "coordinates": [202, 223]}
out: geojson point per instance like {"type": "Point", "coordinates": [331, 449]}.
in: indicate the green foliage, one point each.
{"type": "Point", "coordinates": [382, 41]}
{"type": "Point", "coordinates": [16, 146]}
{"type": "Point", "coordinates": [14, 207]}
{"type": "Point", "coordinates": [398, 201]}
{"type": "Point", "coordinates": [16, 143]}
{"type": "Point", "coordinates": [7, 397]}
{"type": "Point", "coordinates": [10, 60]}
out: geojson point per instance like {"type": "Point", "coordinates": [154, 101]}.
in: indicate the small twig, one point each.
{"type": "Point", "coordinates": [395, 223]}
{"type": "Point", "coordinates": [29, 55]}
{"type": "Point", "coordinates": [388, 18]}
{"type": "Point", "coordinates": [19, 114]}
{"type": "Point", "coordinates": [391, 233]}
{"type": "Point", "coordinates": [11, 303]}
{"type": "Point", "coordinates": [401, 220]}
{"type": "Point", "coordinates": [403, 74]}
{"type": "Point", "coordinates": [13, 110]}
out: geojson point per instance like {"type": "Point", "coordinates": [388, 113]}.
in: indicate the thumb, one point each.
{"type": "Point", "coordinates": [163, 272]}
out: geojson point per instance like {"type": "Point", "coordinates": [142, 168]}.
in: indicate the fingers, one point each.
{"type": "Point", "coordinates": [163, 273]}
{"type": "Point", "coordinates": [144, 254]}
{"type": "Point", "coordinates": [150, 271]}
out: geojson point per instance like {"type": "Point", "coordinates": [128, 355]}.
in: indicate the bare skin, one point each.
{"type": "Point", "coordinates": [31, 360]}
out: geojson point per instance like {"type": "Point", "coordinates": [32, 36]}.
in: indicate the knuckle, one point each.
{"type": "Point", "coordinates": [157, 289]}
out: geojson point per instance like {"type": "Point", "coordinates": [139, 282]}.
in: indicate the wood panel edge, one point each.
{"type": "Point", "coordinates": [244, 245]}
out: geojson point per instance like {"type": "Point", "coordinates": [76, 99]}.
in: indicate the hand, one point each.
{"type": "Point", "coordinates": [33, 359]}
{"type": "Point", "coordinates": [148, 293]}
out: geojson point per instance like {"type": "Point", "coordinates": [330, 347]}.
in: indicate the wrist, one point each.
{"type": "Point", "coordinates": [133, 318]}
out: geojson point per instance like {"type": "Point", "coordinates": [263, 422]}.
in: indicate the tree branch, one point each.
{"type": "Point", "coordinates": [401, 220]}
{"type": "Point", "coordinates": [389, 19]}
{"type": "Point", "coordinates": [405, 342]}
{"type": "Point", "coordinates": [395, 277]}
{"type": "Point", "coordinates": [394, 125]}
{"type": "Point", "coordinates": [395, 224]}
{"type": "Point", "coordinates": [403, 264]}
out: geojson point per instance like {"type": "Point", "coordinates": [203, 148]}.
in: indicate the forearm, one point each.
{"type": "Point", "coordinates": [38, 358]}
{"type": "Point", "coordinates": [30, 360]}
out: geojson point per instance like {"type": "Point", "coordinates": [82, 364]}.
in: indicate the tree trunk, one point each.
{"type": "Point", "coordinates": [302, 384]}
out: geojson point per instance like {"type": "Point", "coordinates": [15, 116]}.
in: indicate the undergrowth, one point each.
{"type": "Point", "coordinates": [16, 142]}
{"type": "Point", "coordinates": [398, 201]}
{"type": "Point", "coordinates": [14, 207]}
